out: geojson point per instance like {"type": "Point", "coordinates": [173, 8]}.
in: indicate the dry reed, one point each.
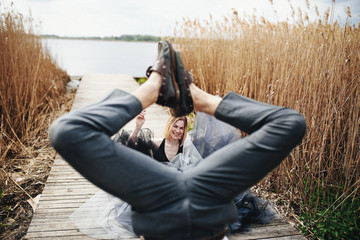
{"type": "Point", "coordinates": [312, 67]}
{"type": "Point", "coordinates": [32, 87]}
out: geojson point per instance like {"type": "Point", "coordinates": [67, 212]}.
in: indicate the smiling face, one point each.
{"type": "Point", "coordinates": [177, 130]}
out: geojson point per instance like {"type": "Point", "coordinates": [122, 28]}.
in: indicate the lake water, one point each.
{"type": "Point", "coordinates": [79, 57]}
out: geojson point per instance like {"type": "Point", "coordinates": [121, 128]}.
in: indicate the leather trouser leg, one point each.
{"type": "Point", "coordinates": [273, 132]}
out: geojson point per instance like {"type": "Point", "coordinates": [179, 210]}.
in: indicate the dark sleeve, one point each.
{"type": "Point", "coordinates": [143, 143]}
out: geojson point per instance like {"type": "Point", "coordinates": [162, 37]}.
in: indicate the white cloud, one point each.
{"type": "Point", "coordinates": [156, 17]}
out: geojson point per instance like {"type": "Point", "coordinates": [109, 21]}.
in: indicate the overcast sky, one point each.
{"type": "Point", "coordinates": [156, 17]}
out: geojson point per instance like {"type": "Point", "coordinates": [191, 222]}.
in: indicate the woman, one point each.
{"type": "Point", "coordinates": [168, 204]}
{"type": "Point", "coordinates": [164, 150]}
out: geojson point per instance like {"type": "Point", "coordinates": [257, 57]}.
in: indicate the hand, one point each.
{"type": "Point", "coordinates": [140, 119]}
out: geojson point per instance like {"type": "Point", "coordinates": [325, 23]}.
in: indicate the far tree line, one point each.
{"type": "Point", "coordinates": [128, 38]}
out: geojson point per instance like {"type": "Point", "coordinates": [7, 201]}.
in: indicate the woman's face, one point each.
{"type": "Point", "coordinates": [177, 131]}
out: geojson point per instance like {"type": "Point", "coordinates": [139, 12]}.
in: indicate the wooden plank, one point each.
{"type": "Point", "coordinates": [267, 231]}
{"type": "Point", "coordinates": [60, 234]}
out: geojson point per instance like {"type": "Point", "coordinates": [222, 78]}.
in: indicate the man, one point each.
{"type": "Point", "coordinates": [168, 204]}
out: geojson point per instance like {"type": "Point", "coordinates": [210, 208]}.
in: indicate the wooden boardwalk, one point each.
{"type": "Point", "coordinates": [66, 190]}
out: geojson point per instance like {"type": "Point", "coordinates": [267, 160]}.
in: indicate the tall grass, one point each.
{"type": "Point", "coordinates": [310, 66]}
{"type": "Point", "coordinates": [31, 87]}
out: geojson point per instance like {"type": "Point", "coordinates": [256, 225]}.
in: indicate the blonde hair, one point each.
{"type": "Point", "coordinates": [169, 125]}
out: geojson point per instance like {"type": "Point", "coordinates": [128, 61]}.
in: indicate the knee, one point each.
{"type": "Point", "coordinates": [60, 133]}
{"type": "Point", "coordinates": [295, 124]}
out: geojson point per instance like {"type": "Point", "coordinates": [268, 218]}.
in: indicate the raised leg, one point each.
{"type": "Point", "coordinates": [273, 132]}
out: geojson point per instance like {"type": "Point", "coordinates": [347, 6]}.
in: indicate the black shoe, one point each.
{"type": "Point", "coordinates": [165, 64]}
{"type": "Point", "coordinates": [183, 79]}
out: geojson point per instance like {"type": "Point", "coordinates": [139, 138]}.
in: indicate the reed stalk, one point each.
{"type": "Point", "coordinates": [32, 87]}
